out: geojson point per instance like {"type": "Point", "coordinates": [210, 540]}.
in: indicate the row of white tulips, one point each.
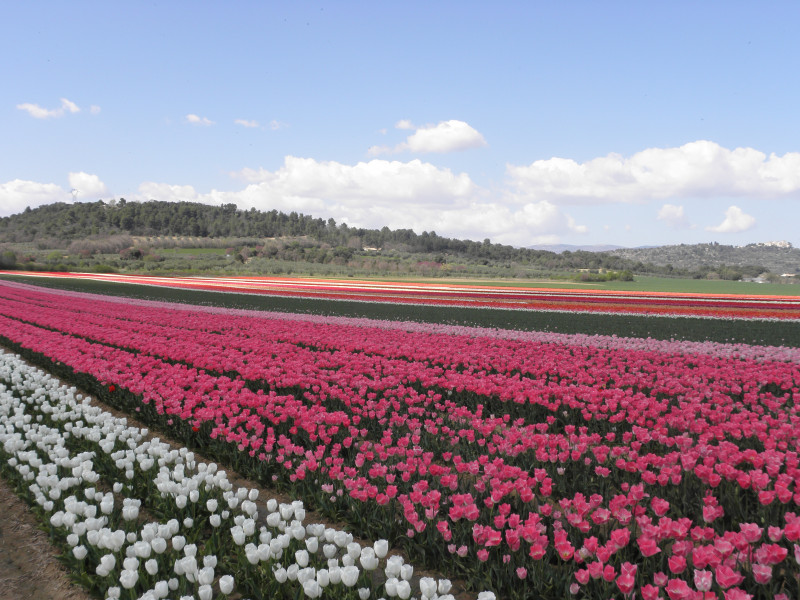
{"type": "Point", "coordinates": [139, 519]}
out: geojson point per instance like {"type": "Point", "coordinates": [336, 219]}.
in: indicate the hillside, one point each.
{"type": "Point", "coordinates": [184, 237]}
{"type": "Point", "coordinates": [777, 257]}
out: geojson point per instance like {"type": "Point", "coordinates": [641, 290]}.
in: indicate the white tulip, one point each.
{"type": "Point", "coordinates": [407, 572]}
{"type": "Point", "coordinates": [312, 589]}
{"type": "Point", "coordinates": [158, 544]}
{"type": "Point", "coordinates": [226, 584]}
{"type": "Point", "coordinates": [444, 586]}
{"type": "Point", "coordinates": [427, 587]}
{"type": "Point", "coordinates": [128, 578]}
{"type": "Point", "coordinates": [381, 548]}
{"type": "Point", "coordinates": [249, 527]}
{"type": "Point", "coordinates": [350, 575]}
{"type": "Point", "coordinates": [151, 566]}
{"type": "Point", "coordinates": [354, 549]}
{"type": "Point", "coordinates": [301, 557]}
{"type": "Point", "coordinates": [205, 592]}
{"type": "Point", "coordinates": [363, 593]}
{"type": "Point", "coordinates": [238, 535]}
{"type": "Point", "coordinates": [391, 586]}
{"type": "Point", "coordinates": [340, 538]}
{"type": "Point", "coordinates": [280, 574]}
{"type": "Point", "coordinates": [403, 589]}
{"type": "Point", "coordinates": [142, 549]}
{"type": "Point", "coordinates": [161, 588]}
{"type": "Point", "coordinates": [104, 567]}
{"type": "Point", "coordinates": [312, 544]}
{"type": "Point", "coordinates": [369, 561]}
{"type": "Point", "coordinates": [323, 578]}
{"type": "Point", "coordinates": [80, 552]}
{"type": "Point", "coordinates": [335, 574]}
{"type": "Point", "coordinates": [205, 576]}
{"type": "Point", "coordinates": [286, 511]}
{"type": "Point", "coordinates": [393, 566]}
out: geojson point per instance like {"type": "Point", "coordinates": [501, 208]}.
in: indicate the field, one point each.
{"type": "Point", "coordinates": [585, 444]}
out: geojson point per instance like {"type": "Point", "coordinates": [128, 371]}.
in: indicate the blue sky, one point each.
{"type": "Point", "coordinates": [628, 123]}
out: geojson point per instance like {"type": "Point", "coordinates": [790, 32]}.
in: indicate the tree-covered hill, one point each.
{"type": "Point", "coordinates": [778, 257]}
{"type": "Point", "coordinates": [136, 235]}
{"type": "Point", "coordinates": [61, 221]}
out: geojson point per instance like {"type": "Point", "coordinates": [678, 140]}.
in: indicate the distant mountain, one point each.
{"type": "Point", "coordinates": [778, 257]}
{"type": "Point", "coordinates": [559, 248]}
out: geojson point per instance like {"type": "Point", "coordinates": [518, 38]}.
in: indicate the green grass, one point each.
{"type": "Point", "coordinates": [191, 251]}
{"type": "Point", "coordinates": [770, 333]}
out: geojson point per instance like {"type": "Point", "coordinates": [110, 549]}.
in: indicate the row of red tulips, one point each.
{"type": "Point", "coordinates": [597, 468]}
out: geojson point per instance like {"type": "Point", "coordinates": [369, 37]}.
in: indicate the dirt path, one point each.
{"type": "Point", "coordinates": [29, 569]}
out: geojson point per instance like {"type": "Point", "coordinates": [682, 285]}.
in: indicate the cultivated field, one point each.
{"type": "Point", "coordinates": [511, 462]}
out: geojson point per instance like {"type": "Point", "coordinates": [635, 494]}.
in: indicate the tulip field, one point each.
{"type": "Point", "coordinates": [526, 464]}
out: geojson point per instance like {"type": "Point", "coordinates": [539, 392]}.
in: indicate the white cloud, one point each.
{"type": "Point", "coordinates": [150, 190]}
{"type": "Point", "coordinates": [196, 120]}
{"type": "Point", "coordinates": [87, 185]}
{"type": "Point", "coordinates": [360, 183]}
{"type": "Point", "coordinates": [674, 216]}
{"type": "Point", "coordinates": [698, 169]}
{"type": "Point", "coordinates": [18, 194]}
{"type": "Point", "coordinates": [275, 125]}
{"type": "Point", "coordinates": [735, 221]}
{"type": "Point", "coordinates": [37, 112]}
{"type": "Point", "coordinates": [94, 109]}
{"type": "Point", "coordinates": [246, 123]}
{"type": "Point", "coordinates": [414, 195]}
{"type": "Point", "coordinates": [447, 136]}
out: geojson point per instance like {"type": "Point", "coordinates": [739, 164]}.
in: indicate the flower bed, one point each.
{"type": "Point", "coordinates": [136, 518]}
{"type": "Point", "coordinates": [540, 299]}
{"type": "Point", "coordinates": [532, 468]}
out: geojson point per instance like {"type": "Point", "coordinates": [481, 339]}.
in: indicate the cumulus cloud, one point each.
{"type": "Point", "coordinates": [414, 195]}
{"type": "Point", "coordinates": [735, 221]}
{"type": "Point", "coordinates": [362, 182]}
{"type": "Point", "coordinates": [18, 194]}
{"type": "Point", "coordinates": [87, 185]}
{"type": "Point", "coordinates": [698, 169]}
{"type": "Point", "coordinates": [447, 136]}
{"type": "Point", "coordinates": [674, 216]}
{"type": "Point", "coordinates": [150, 190]}
{"type": "Point", "coordinates": [246, 123]}
{"type": "Point", "coordinates": [37, 112]}
{"type": "Point", "coordinates": [197, 120]}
